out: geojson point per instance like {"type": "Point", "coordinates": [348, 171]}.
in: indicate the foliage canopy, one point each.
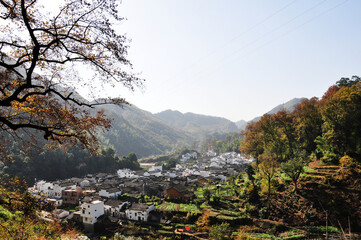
{"type": "Point", "coordinates": [79, 35]}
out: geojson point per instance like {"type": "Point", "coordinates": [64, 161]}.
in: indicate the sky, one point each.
{"type": "Point", "coordinates": [238, 59]}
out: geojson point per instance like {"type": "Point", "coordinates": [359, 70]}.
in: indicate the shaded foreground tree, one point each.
{"type": "Point", "coordinates": [79, 36]}
{"type": "Point", "coordinates": [268, 169]}
{"type": "Point", "coordinates": [294, 167]}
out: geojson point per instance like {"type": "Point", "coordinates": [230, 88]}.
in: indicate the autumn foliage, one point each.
{"type": "Point", "coordinates": [40, 54]}
{"type": "Point", "coordinates": [328, 128]}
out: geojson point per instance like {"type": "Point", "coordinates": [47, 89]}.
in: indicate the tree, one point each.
{"type": "Point", "coordinates": [203, 221]}
{"type": "Point", "coordinates": [341, 116]}
{"type": "Point", "coordinates": [293, 168]}
{"type": "Point", "coordinates": [171, 163]}
{"type": "Point", "coordinates": [268, 169]}
{"type": "Point", "coordinates": [130, 161]}
{"type": "Point", "coordinates": [219, 231]}
{"type": "Point", "coordinates": [250, 172]}
{"type": "Point", "coordinates": [79, 35]}
{"type": "Point", "coordinates": [346, 82]}
{"type": "Point", "coordinates": [207, 194]}
{"type": "Point", "coordinates": [253, 143]}
{"type": "Point", "coordinates": [308, 122]}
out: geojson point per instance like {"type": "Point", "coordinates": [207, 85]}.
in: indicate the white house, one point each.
{"type": "Point", "coordinates": [60, 213]}
{"type": "Point", "coordinates": [178, 167]}
{"type": "Point", "coordinates": [55, 191]}
{"type": "Point", "coordinates": [91, 211]}
{"type": "Point", "coordinates": [110, 193]}
{"type": "Point", "coordinates": [55, 202]}
{"type": "Point", "coordinates": [115, 208]}
{"type": "Point", "coordinates": [205, 174]}
{"type": "Point", "coordinates": [125, 173]}
{"type": "Point", "coordinates": [171, 174]}
{"type": "Point", "coordinates": [156, 173]}
{"type": "Point", "coordinates": [155, 168]}
{"type": "Point", "coordinates": [48, 189]}
{"type": "Point", "coordinates": [84, 183]}
{"type": "Point", "coordinates": [139, 212]}
{"type": "Point", "coordinates": [211, 153]}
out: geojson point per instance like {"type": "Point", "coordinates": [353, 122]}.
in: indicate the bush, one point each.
{"type": "Point", "coordinates": [219, 231]}
{"type": "Point", "coordinates": [263, 212]}
{"type": "Point", "coordinates": [191, 217]}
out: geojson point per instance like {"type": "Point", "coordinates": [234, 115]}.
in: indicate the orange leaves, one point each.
{"type": "Point", "coordinates": [54, 43]}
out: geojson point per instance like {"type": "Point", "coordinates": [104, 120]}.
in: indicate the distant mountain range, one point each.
{"type": "Point", "coordinates": [136, 130]}
{"type": "Point", "coordinates": [139, 131]}
{"type": "Point", "coordinates": [197, 124]}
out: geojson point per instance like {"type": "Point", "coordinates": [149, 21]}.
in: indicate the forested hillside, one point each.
{"type": "Point", "coordinates": [136, 130]}
{"type": "Point", "coordinates": [329, 128]}
{"type": "Point", "coordinates": [196, 124]}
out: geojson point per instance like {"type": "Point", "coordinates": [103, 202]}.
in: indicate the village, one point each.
{"type": "Point", "coordinates": [106, 200]}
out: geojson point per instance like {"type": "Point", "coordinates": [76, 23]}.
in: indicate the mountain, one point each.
{"type": "Point", "coordinates": [288, 107]}
{"type": "Point", "coordinates": [242, 124]}
{"type": "Point", "coordinates": [136, 130]}
{"type": "Point", "coordinates": [196, 124]}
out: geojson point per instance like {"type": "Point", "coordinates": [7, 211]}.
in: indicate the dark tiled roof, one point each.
{"type": "Point", "coordinates": [113, 202]}
{"type": "Point", "coordinates": [139, 207]}
{"type": "Point", "coordinates": [111, 190]}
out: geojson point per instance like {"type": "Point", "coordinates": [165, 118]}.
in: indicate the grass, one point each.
{"type": "Point", "coordinates": [225, 217]}
{"type": "Point", "coordinates": [322, 229]}
{"type": "Point", "coordinates": [308, 170]}
{"type": "Point", "coordinates": [259, 236]}
{"type": "Point", "coordinates": [229, 212]}
{"type": "Point", "coordinates": [165, 232]}
{"type": "Point", "coordinates": [169, 206]}
{"type": "Point", "coordinates": [292, 234]}
{"type": "Point", "coordinates": [295, 236]}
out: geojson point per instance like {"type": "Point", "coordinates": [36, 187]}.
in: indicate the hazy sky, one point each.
{"type": "Point", "coordinates": [238, 59]}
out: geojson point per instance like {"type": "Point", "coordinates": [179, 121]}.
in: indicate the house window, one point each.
{"type": "Point", "coordinates": [83, 212]}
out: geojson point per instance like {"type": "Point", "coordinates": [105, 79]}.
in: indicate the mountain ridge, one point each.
{"type": "Point", "coordinates": [288, 106]}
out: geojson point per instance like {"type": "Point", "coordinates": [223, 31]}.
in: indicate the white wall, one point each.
{"type": "Point", "coordinates": [91, 211]}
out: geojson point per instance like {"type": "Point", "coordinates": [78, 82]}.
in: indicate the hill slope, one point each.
{"type": "Point", "coordinates": [288, 107]}
{"type": "Point", "coordinates": [197, 124]}
{"type": "Point", "coordinates": [136, 130]}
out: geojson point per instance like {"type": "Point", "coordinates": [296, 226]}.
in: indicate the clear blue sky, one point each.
{"type": "Point", "coordinates": [238, 59]}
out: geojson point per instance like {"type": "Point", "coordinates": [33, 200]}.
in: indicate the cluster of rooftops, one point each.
{"type": "Point", "coordinates": [116, 195]}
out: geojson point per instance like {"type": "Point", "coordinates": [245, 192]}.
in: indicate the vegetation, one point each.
{"type": "Point", "coordinates": [58, 164]}
{"type": "Point", "coordinates": [219, 231]}
{"type": "Point", "coordinates": [19, 217]}
{"type": "Point", "coordinates": [55, 45]}
{"type": "Point", "coordinates": [328, 128]}
{"type": "Point", "coordinates": [229, 144]}
{"type": "Point", "coordinates": [287, 147]}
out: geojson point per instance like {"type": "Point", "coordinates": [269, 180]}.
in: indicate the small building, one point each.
{"type": "Point", "coordinates": [156, 168]}
{"type": "Point", "coordinates": [125, 173]}
{"type": "Point", "coordinates": [115, 208]}
{"type": "Point", "coordinates": [55, 202]}
{"type": "Point", "coordinates": [113, 193]}
{"type": "Point", "coordinates": [60, 213]}
{"type": "Point", "coordinates": [179, 191]}
{"type": "Point", "coordinates": [84, 183]}
{"type": "Point", "coordinates": [90, 211]}
{"type": "Point", "coordinates": [139, 212]}
{"type": "Point", "coordinates": [72, 195]}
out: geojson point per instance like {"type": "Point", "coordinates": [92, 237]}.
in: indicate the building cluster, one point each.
{"type": "Point", "coordinates": [103, 198]}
